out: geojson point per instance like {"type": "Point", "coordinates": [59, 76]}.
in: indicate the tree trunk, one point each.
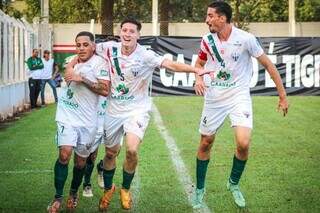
{"type": "Point", "coordinates": [164, 17]}
{"type": "Point", "coordinates": [107, 17]}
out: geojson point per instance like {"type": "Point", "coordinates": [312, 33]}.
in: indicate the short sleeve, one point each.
{"type": "Point", "coordinates": [102, 70]}
{"type": "Point", "coordinates": [254, 46]}
{"type": "Point", "coordinates": [152, 59]}
{"type": "Point", "coordinates": [101, 48]}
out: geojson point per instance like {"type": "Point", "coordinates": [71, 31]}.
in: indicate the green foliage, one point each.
{"type": "Point", "coordinates": [33, 9]}
{"type": "Point", "coordinates": [8, 9]}
{"type": "Point", "coordinates": [308, 10]}
{"type": "Point", "coordinates": [70, 11]}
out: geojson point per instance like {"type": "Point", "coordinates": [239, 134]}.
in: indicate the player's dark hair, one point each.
{"type": "Point", "coordinates": [132, 21]}
{"type": "Point", "coordinates": [85, 33]}
{"type": "Point", "coordinates": [222, 8]}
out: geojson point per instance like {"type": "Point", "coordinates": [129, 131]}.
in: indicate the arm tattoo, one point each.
{"type": "Point", "coordinates": [96, 86]}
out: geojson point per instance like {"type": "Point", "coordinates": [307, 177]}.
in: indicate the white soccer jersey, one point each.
{"type": "Point", "coordinates": [130, 78]}
{"type": "Point", "coordinates": [78, 105]}
{"type": "Point", "coordinates": [231, 61]}
{"type": "Point", "coordinates": [47, 68]}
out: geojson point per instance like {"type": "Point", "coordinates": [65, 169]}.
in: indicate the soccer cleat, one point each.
{"type": "Point", "coordinates": [87, 191]}
{"type": "Point", "coordinates": [100, 175]}
{"type": "Point", "coordinates": [236, 193]}
{"type": "Point", "coordinates": [197, 198]}
{"type": "Point", "coordinates": [72, 202]}
{"type": "Point", "coordinates": [54, 206]}
{"type": "Point", "coordinates": [106, 198]}
{"type": "Point", "coordinates": [125, 198]}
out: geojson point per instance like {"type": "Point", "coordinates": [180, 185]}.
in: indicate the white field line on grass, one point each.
{"type": "Point", "coordinates": [181, 169]}
{"type": "Point", "coordinates": [135, 189]}
{"type": "Point", "coordinates": [27, 171]}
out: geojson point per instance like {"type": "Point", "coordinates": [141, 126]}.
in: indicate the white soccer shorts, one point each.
{"type": "Point", "coordinates": [212, 118]}
{"type": "Point", "coordinates": [81, 138]}
{"type": "Point", "coordinates": [116, 127]}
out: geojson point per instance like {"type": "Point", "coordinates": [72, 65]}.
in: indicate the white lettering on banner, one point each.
{"type": "Point", "coordinates": [268, 81]}
{"type": "Point", "coordinates": [255, 73]}
{"type": "Point", "coordinates": [316, 70]}
{"type": "Point", "coordinates": [288, 60]}
{"type": "Point", "coordinates": [169, 79]}
{"type": "Point", "coordinates": [297, 71]}
{"type": "Point", "coordinates": [306, 72]}
{"type": "Point", "coordinates": [180, 76]}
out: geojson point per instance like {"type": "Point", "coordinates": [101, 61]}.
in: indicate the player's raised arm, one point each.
{"type": "Point", "coordinates": [283, 104]}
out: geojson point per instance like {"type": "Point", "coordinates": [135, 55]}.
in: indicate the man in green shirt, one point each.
{"type": "Point", "coordinates": [35, 67]}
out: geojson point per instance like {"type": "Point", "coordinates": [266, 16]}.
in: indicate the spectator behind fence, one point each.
{"type": "Point", "coordinates": [34, 71]}
{"type": "Point", "coordinates": [50, 69]}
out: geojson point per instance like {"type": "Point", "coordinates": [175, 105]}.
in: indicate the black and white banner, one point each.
{"type": "Point", "coordinates": [296, 58]}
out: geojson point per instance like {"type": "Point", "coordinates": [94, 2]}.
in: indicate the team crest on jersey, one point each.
{"type": "Point", "coordinates": [235, 56]}
{"type": "Point", "coordinates": [69, 93]}
{"type": "Point", "coordinates": [122, 89]}
{"type": "Point", "coordinates": [135, 71]}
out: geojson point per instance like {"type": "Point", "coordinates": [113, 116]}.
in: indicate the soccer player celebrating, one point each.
{"type": "Point", "coordinates": [76, 117]}
{"type": "Point", "coordinates": [129, 106]}
{"type": "Point", "coordinates": [227, 50]}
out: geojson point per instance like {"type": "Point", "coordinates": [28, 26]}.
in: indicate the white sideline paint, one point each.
{"type": "Point", "coordinates": [27, 171]}
{"type": "Point", "coordinates": [135, 189]}
{"type": "Point", "coordinates": [181, 169]}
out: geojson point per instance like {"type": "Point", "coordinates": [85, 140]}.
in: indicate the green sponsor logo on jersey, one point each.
{"type": "Point", "coordinates": [223, 75]}
{"type": "Point", "coordinates": [223, 79]}
{"type": "Point", "coordinates": [103, 72]}
{"type": "Point", "coordinates": [69, 93]}
{"type": "Point", "coordinates": [104, 105]}
{"type": "Point", "coordinates": [121, 88]}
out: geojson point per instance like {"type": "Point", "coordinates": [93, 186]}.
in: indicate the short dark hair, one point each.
{"type": "Point", "coordinates": [46, 52]}
{"type": "Point", "coordinates": [85, 33]}
{"type": "Point", "coordinates": [35, 49]}
{"type": "Point", "coordinates": [132, 21]}
{"type": "Point", "coordinates": [222, 8]}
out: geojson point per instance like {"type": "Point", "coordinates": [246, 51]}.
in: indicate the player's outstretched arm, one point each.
{"type": "Point", "coordinates": [199, 86]}
{"type": "Point", "coordinates": [180, 67]}
{"type": "Point", "coordinates": [283, 104]}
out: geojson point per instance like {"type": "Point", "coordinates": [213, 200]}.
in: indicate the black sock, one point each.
{"type": "Point", "coordinates": [237, 169]}
{"type": "Point", "coordinates": [88, 172]}
{"type": "Point", "coordinates": [202, 166]}
{"type": "Point", "coordinates": [60, 177]}
{"type": "Point", "coordinates": [127, 179]}
{"type": "Point", "coordinates": [107, 178]}
{"type": "Point", "coordinates": [76, 179]}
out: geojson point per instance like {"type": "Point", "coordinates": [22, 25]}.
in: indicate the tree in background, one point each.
{"type": "Point", "coordinates": [245, 11]}
{"type": "Point", "coordinates": [107, 17]}
{"type": "Point", "coordinates": [164, 17]}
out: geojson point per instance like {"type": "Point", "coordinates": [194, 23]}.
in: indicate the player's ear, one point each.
{"type": "Point", "coordinates": [94, 46]}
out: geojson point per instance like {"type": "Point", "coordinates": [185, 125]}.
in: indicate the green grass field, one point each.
{"type": "Point", "coordinates": [282, 174]}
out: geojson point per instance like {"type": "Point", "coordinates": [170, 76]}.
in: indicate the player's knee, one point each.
{"type": "Point", "coordinates": [206, 145]}
{"type": "Point", "coordinates": [92, 158]}
{"type": "Point", "coordinates": [131, 155]}
{"type": "Point", "coordinates": [64, 158]}
{"type": "Point", "coordinates": [243, 146]}
{"type": "Point", "coordinates": [111, 154]}
{"type": "Point", "coordinates": [80, 164]}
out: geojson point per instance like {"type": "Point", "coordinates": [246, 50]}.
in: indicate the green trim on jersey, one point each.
{"type": "Point", "coordinates": [215, 51]}
{"type": "Point", "coordinates": [115, 60]}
